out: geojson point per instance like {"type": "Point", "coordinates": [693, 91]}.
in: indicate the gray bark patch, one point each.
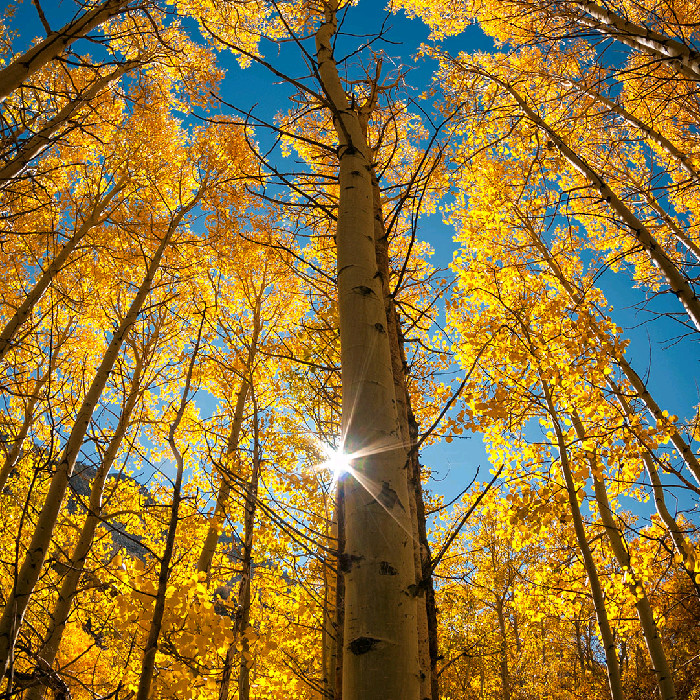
{"type": "Point", "coordinates": [362, 645]}
{"type": "Point", "coordinates": [386, 569]}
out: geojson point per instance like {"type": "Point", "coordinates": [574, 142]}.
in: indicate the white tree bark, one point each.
{"type": "Point", "coordinates": [380, 656]}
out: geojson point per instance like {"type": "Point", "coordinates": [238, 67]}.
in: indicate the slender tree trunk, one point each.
{"type": "Point", "coordinates": [650, 132]}
{"type": "Point", "coordinates": [676, 231]}
{"type": "Point", "coordinates": [669, 51]}
{"type": "Point", "coordinates": [503, 649]}
{"type": "Point", "coordinates": [674, 277]}
{"type": "Point", "coordinates": [34, 295]}
{"type": "Point", "coordinates": [43, 138]}
{"type": "Point", "coordinates": [24, 66]}
{"type": "Point", "coordinates": [683, 547]}
{"type": "Point", "coordinates": [16, 449]}
{"type": "Point", "coordinates": [380, 643]}
{"type": "Point", "coordinates": [606, 635]}
{"type": "Point", "coordinates": [684, 450]}
{"type": "Point", "coordinates": [149, 655]}
{"type": "Point", "coordinates": [30, 569]}
{"type": "Point", "coordinates": [242, 619]}
{"type": "Point", "coordinates": [618, 545]}
{"type": "Point", "coordinates": [76, 563]}
{"type": "Point", "coordinates": [215, 524]}
{"type": "Point", "coordinates": [244, 589]}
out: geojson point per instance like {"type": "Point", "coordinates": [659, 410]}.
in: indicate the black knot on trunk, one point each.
{"type": "Point", "coordinates": [362, 645]}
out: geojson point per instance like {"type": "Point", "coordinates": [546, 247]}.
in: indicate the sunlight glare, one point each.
{"type": "Point", "coordinates": [336, 461]}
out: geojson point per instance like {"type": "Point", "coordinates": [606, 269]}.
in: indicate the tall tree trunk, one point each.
{"type": "Point", "coordinates": [76, 563]}
{"type": "Point", "coordinates": [380, 645]}
{"type": "Point", "coordinates": [215, 524]}
{"type": "Point", "coordinates": [17, 442]}
{"type": "Point", "coordinates": [149, 654]}
{"type": "Point", "coordinates": [606, 635]}
{"type": "Point", "coordinates": [30, 569]}
{"type": "Point", "coordinates": [618, 545]}
{"type": "Point", "coordinates": [23, 67]}
{"type": "Point", "coordinates": [242, 619]}
{"type": "Point", "coordinates": [425, 592]}
{"type": "Point", "coordinates": [94, 218]}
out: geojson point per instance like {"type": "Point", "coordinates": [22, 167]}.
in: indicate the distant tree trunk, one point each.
{"type": "Point", "coordinates": [635, 586]}
{"type": "Point", "coordinates": [380, 646]}
{"type": "Point", "coordinates": [214, 530]}
{"type": "Point", "coordinates": [684, 450]}
{"type": "Point", "coordinates": [149, 654]}
{"type": "Point", "coordinates": [30, 569]}
{"type": "Point", "coordinates": [503, 648]}
{"type": "Point", "coordinates": [683, 547]}
{"type": "Point", "coordinates": [243, 601]}
{"type": "Point", "coordinates": [76, 563]}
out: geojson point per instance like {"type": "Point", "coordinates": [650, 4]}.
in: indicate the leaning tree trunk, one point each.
{"type": "Point", "coordinates": [380, 655]}
{"type": "Point", "coordinates": [94, 218]}
{"type": "Point", "coordinates": [683, 448]}
{"type": "Point", "coordinates": [76, 563]}
{"type": "Point", "coordinates": [45, 136]}
{"type": "Point", "coordinates": [675, 279]}
{"type": "Point", "coordinates": [30, 569]}
{"type": "Point", "coordinates": [684, 548]}
{"type": "Point", "coordinates": [24, 66]}
{"type": "Point", "coordinates": [618, 545]}
{"type": "Point", "coordinates": [606, 634]}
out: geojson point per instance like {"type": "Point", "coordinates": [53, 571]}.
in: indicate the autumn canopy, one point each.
{"type": "Point", "coordinates": [276, 277]}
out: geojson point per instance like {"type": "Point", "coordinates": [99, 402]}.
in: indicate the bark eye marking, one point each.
{"type": "Point", "coordinates": [362, 645]}
{"type": "Point", "coordinates": [386, 569]}
{"type": "Point", "coordinates": [365, 291]}
{"type": "Point", "coordinates": [379, 327]}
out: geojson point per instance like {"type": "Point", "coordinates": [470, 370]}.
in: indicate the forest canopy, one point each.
{"type": "Point", "coordinates": [268, 268]}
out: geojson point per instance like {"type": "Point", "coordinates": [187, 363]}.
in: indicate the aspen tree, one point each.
{"type": "Point", "coordinates": [94, 516]}
{"type": "Point", "coordinates": [149, 654]}
{"type": "Point", "coordinates": [32, 147]}
{"type": "Point", "coordinates": [30, 569]}
{"type": "Point", "coordinates": [380, 638]}
{"type": "Point", "coordinates": [607, 637]}
{"type": "Point", "coordinates": [619, 547]}
{"type": "Point", "coordinates": [676, 280]}
{"type": "Point", "coordinates": [20, 69]}
{"type": "Point", "coordinates": [98, 214]}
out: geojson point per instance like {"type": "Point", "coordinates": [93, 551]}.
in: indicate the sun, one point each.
{"type": "Point", "coordinates": [336, 462]}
